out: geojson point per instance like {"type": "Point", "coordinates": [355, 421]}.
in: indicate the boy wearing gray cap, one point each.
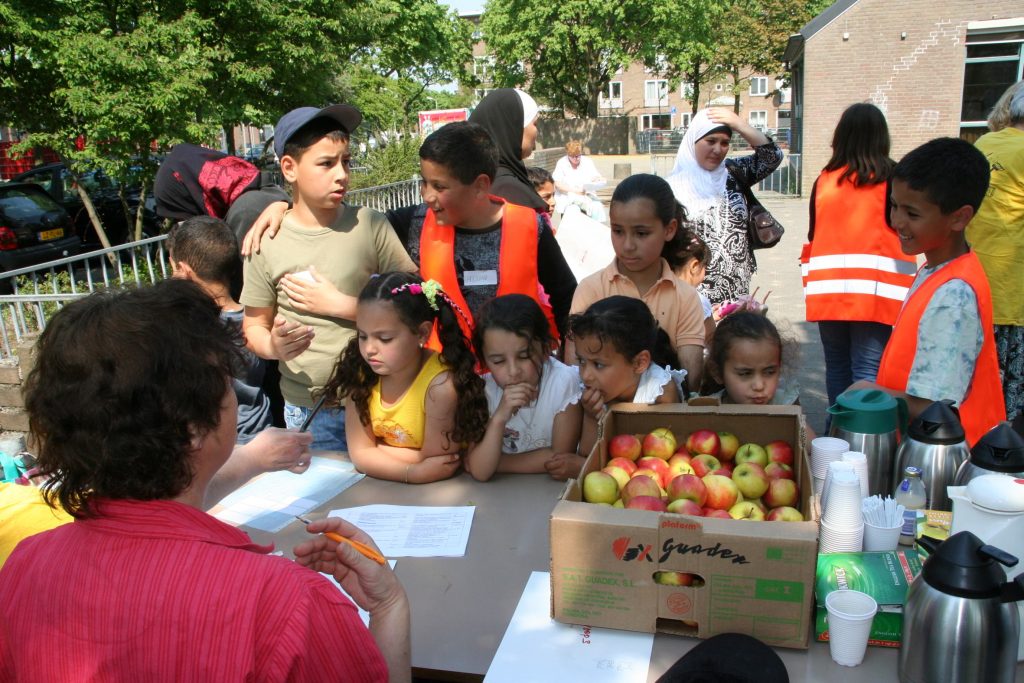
{"type": "Point", "coordinates": [300, 289]}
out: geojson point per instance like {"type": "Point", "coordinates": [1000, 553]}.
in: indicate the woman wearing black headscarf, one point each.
{"type": "Point", "coordinates": [510, 116]}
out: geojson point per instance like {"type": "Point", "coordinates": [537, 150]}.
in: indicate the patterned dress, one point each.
{"type": "Point", "coordinates": [724, 227]}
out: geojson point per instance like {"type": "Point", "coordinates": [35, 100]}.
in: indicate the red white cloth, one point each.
{"type": "Point", "coordinates": [156, 591]}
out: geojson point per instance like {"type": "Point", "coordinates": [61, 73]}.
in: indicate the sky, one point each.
{"type": "Point", "coordinates": [465, 5]}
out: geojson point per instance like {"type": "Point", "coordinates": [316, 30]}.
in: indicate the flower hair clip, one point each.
{"type": "Point", "coordinates": [431, 289]}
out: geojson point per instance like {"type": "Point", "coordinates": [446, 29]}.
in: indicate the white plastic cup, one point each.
{"type": "Point", "coordinates": [879, 538]}
{"type": "Point", "coordinates": [860, 466]}
{"type": "Point", "coordinates": [824, 450]}
{"type": "Point", "coordinates": [849, 625]}
{"type": "Point", "coordinates": [833, 467]}
{"type": "Point", "coordinates": [840, 539]}
{"type": "Point", "coordinates": [843, 505]}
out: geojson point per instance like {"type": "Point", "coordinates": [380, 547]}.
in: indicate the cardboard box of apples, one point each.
{"type": "Point", "coordinates": [690, 519]}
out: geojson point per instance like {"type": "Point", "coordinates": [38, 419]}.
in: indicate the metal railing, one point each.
{"type": "Point", "coordinates": [784, 180]}
{"type": "Point", "coordinates": [40, 291]}
{"type": "Point", "coordinates": [385, 197]}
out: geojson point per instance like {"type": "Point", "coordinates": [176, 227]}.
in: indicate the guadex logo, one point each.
{"type": "Point", "coordinates": [625, 550]}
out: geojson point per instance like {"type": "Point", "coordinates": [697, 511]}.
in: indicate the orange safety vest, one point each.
{"type": "Point", "coordinates": [517, 262]}
{"type": "Point", "coordinates": [854, 269]}
{"type": "Point", "coordinates": [983, 407]}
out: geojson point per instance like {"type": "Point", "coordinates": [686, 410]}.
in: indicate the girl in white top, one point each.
{"type": "Point", "coordinates": [621, 352]}
{"type": "Point", "coordinates": [534, 399]}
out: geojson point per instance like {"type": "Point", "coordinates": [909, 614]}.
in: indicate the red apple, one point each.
{"type": "Point", "coordinates": [673, 578]}
{"type": "Point", "coordinates": [750, 480]}
{"type": "Point", "coordinates": [640, 486]}
{"type": "Point", "coordinates": [782, 493]}
{"type": "Point", "coordinates": [724, 472]}
{"type": "Point", "coordinates": [729, 444]}
{"type": "Point", "coordinates": [620, 475]}
{"type": "Point", "coordinates": [646, 503]}
{"type": "Point", "coordinates": [784, 514]}
{"type": "Point", "coordinates": [703, 441]}
{"type": "Point", "coordinates": [722, 492]}
{"type": "Point", "coordinates": [721, 514]}
{"type": "Point", "coordinates": [625, 463]}
{"type": "Point", "coordinates": [728, 467]}
{"type": "Point", "coordinates": [777, 470]}
{"type": "Point", "coordinates": [751, 452]}
{"type": "Point", "coordinates": [661, 443]}
{"type": "Point", "coordinates": [685, 507]}
{"type": "Point", "coordinates": [600, 487]}
{"type": "Point", "coordinates": [656, 476]}
{"type": "Point", "coordinates": [689, 487]}
{"type": "Point", "coordinates": [681, 450]}
{"type": "Point", "coordinates": [704, 464]}
{"type": "Point", "coordinates": [658, 465]}
{"type": "Point", "coordinates": [624, 446]}
{"type": "Point", "coordinates": [746, 510]}
{"type": "Point", "coordinates": [779, 451]}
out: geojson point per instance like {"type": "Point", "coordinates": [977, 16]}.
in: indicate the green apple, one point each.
{"type": "Point", "coordinates": [600, 487]}
{"type": "Point", "coordinates": [751, 452]}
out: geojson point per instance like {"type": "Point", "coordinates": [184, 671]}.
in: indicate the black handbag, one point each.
{"type": "Point", "coordinates": [762, 228]}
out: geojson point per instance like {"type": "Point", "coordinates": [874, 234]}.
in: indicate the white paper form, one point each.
{"type": "Point", "coordinates": [270, 502]}
{"type": "Point", "coordinates": [363, 614]}
{"type": "Point", "coordinates": [413, 531]}
{"type": "Point", "coordinates": [538, 648]}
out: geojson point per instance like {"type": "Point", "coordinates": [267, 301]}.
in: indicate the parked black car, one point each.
{"type": "Point", "coordinates": [57, 182]}
{"type": "Point", "coordinates": [33, 228]}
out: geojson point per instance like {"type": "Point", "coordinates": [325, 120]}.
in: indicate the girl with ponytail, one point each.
{"type": "Point", "coordinates": [410, 412]}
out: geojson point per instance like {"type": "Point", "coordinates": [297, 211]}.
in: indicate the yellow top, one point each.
{"type": "Point", "coordinates": [403, 422]}
{"type": "Point", "coordinates": [997, 232]}
{"type": "Point", "coordinates": [24, 513]}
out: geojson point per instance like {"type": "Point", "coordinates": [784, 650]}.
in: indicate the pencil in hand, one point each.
{"type": "Point", "coordinates": [364, 550]}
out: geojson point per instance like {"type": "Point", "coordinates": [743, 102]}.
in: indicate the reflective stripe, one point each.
{"type": "Point", "coordinates": [867, 261]}
{"type": "Point", "coordinates": [886, 291]}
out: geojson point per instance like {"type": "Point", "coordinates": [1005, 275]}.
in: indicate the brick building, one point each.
{"type": "Point", "coordinates": [644, 94]}
{"type": "Point", "coordinates": [935, 67]}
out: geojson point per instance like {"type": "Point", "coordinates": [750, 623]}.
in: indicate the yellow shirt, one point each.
{"type": "Point", "coordinates": [24, 513]}
{"type": "Point", "coordinates": [403, 422]}
{"type": "Point", "coordinates": [996, 234]}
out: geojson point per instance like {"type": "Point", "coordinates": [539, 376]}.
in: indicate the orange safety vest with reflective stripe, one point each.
{"type": "Point", "coordinates": [854, 269]}
{"type": "Point", "coordinates": [517, 262]}
{"type": "Point", "coordinates": [983, 407]}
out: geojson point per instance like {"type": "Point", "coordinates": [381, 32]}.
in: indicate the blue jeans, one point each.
{"type": "Point", "coordinates": [327, 428]}
{"type": "Point", "coordinates": [852, 353]}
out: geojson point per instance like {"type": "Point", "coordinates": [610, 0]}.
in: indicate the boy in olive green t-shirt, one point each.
{"type": "Point", "coordinates": [300, 290]}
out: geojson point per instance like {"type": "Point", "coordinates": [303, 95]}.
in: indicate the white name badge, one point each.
{"type": "Point", "coordinates": [479, 278]}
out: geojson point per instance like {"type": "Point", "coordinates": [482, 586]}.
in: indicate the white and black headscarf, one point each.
{"type": "Point", "coordinates": [697, 189]}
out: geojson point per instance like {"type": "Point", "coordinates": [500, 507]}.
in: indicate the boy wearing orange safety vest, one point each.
{"type": "Point", "coordinates": [943, 345]}
{"type": "Point", "coordinates": [476, 245]}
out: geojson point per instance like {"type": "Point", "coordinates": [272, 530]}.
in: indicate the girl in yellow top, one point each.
{"type": "Point", "coordinates": [409, 410]}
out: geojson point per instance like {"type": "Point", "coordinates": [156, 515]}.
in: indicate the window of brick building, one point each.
{"type": "Point", "coordinates": [759, 85]}
{"type": "Point", "coordinates": [611, 97]}
{"type": "Point", "coordinates": [759, 119]}
{"type": "Point", "coordinates": [658, 121]}
{"type": "Point", "coordinates": [656, 93]}
{"type": "Point", "coordinates": [995, 61]}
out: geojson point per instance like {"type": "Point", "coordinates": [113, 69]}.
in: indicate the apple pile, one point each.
{"type": "Point", "coordinates": [710, 475]}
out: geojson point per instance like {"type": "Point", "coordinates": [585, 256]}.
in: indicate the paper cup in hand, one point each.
{"type": "Point", "coordinates": [850, 614]}
{"type": "Point", "coordinates": [304, 275]}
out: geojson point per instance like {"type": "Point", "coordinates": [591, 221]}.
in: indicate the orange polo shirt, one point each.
{"type": "Point", "coordinates": [674, 303]}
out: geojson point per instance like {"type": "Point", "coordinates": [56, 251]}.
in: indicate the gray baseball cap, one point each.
{"type": "Point", "coordinates": [345, 114]}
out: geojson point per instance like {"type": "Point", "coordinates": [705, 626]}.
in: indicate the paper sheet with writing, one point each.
{"type": "Point", "coordinates": [538, 648]}
{"type": "Point", "coordinates": [363, 614]}
{"type": "Point", "coordinates": [270, 502]}
{"type": "Point", "coordinates": [412, 531]}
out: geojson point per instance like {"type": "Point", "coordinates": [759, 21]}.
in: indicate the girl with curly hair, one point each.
{"type": "Point", "coordinates": [409, 411]}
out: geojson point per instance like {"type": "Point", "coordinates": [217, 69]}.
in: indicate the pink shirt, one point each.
{"type": "Point", "coordinates": [157, 591]}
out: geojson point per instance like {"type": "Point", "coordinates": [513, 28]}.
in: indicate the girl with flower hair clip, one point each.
{"type": "Point", "coordinates": [409, 410]}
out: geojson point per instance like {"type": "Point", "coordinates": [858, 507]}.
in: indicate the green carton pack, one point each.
{"type": "Point", "coordinates": [884, 576]}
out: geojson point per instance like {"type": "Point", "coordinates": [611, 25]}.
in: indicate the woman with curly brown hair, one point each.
{"type": "Point", "coordinates": [131, 407]}
{"type": "Point", "coordinates": [409, 411]}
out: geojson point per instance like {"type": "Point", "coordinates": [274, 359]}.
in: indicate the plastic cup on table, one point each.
{"type": "Point", "coordinates": [833, 467]}
{"type": "Point", "coordinates": [860, 466]}
{"type": "Point", "coordinates": [824, 450]}
{"type": "Point", "coordinates": [880, 539]}
{"type": "Point", "coordinates": [849, 625]}
{"type": "Point", "coordinates": [843, 507]}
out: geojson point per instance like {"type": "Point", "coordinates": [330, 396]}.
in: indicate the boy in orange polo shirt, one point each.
{"type": "Point", "coordinates": [943, 345]}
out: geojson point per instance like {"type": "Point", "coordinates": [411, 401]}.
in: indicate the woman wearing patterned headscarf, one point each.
{"type": "Point", "coordinates": [709, 186]}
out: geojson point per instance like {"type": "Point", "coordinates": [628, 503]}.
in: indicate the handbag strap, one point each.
{"type": "Point", "coordinates": [744, 188]}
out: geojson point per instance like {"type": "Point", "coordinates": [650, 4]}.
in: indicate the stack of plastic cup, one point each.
{"type": "Point", "coordinates": [834, 467]}
{"type": "Point", "coordinates": [825, 449]}
{"type": "Point", "coordinates": [849, 625]}
{"type": "Point", "coordinates": [860, 466]}
{"type": "Point", "coordinates": [842, 521]}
